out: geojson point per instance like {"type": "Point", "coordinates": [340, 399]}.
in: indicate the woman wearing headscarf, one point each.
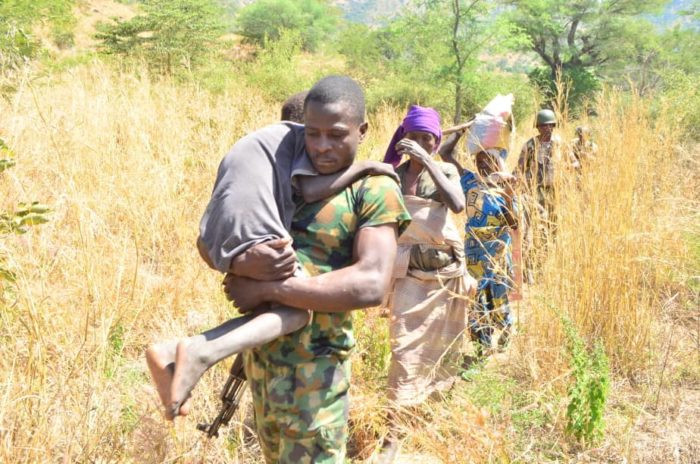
{"type": "Point", "coordinates": [491, 215]}
{"type": "Point", "coordinates": [430, 293]}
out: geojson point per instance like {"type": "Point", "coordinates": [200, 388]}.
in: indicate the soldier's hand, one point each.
{"type": "Point", "coordinates": [272, 260]}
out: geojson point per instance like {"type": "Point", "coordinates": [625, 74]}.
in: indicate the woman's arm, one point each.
{"type": "Point", "coordinates": [446, 150]}
{"type": "Point", "coordinates": [508, 213]}
{"type": "Point", "coordinates": [316, 188]}
{"type": "Point", "coordinates": [450, 193]}
{"type": "Point", "coordinates": [507, 181]}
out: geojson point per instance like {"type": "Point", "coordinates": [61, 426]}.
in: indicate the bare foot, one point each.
{"type": "Point", "coordinates": [189, 368]}
{"type": "Point", "coordinates": [160, 358]}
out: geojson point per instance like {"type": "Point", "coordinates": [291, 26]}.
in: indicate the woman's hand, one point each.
{"type": "Point", "coordinates": [414, 150]}
{"type": "Point", "coordinates": [506, 181]}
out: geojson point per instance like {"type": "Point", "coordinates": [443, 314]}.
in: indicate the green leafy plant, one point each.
{"type": "Point", "coordinates": [589, 391]}
{"type": "Point", "coordinates": [21, 218]}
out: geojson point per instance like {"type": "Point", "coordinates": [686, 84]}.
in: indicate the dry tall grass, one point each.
{"type": "Point", "coordinates": [620, 249]}
{"type": "Point", "coordinates": [127, 164]}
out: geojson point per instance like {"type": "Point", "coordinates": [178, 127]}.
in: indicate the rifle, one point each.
{"type": "Point", "coordinates": [230, 397]}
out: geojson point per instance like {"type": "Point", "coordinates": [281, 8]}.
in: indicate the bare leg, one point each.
{"type": "Point", "coordinates": [160, 358]}
{"type": "Point", "coordinates": [194, 355]}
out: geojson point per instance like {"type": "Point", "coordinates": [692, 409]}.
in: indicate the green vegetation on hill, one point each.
{"type": "Point", "coordinates": [447, 54]}
{"type": "Point", "coordinates": [20, 18]}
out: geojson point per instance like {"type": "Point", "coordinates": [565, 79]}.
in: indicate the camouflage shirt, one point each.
{"type": "Point", "coordinates": [324, 234]}
{"type": "Point", "coordinates": [539, 160]}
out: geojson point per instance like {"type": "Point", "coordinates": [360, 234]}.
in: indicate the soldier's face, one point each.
{"type": "Point", "coordinates": [545, 130]}
{"type": "Point", "coordinates": [332, 136]}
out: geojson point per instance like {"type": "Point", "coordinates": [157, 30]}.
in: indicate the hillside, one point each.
{"type": "Point", "coordinates": [371, 11]}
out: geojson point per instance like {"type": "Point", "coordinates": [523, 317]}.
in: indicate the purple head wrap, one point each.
{"type": "Point", "coordinates": [418, 118]}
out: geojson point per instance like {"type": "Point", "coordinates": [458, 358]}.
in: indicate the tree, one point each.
{"type": "Point", "coordinates": [168, 33]}
{"type": "Point", "coordinates": [472, 30]}
{"type": "Point", "coordinates": [266, 19]}
{"type": "Point", "coordinates": [575, 39]}
{"type": "Point", "coordinates": [440, 43]}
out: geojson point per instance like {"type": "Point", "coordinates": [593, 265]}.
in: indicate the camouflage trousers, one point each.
{"type": "Point", "coordinates": [301, 410]}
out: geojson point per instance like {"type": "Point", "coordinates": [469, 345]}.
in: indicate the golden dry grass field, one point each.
{"type": "Point", "coordinates": [126, 164]}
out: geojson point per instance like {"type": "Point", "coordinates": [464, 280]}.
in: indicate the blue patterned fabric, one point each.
{"type": "Point", "coordinates": [487, 248]}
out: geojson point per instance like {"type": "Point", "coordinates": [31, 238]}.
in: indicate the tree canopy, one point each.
{"type": "Point", "coordinates": [579, 40]}
{"type": "Point", "coordinates": [266, 19]}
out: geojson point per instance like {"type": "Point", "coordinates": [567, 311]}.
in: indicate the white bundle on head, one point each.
{"type": "Point", "coordinates": [490, 128]}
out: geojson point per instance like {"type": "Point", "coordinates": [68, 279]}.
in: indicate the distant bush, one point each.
{"type": "Point", "coordinates": [16, 45]}
{"type": "Point", "coordinates": [265, 20]}
{"type": "Point", "coordinates": [282, 69]}
{"type": "Point", "coordinates": [580, 84]}
{"type": "Point", "coordinates": [169, 34]}
{"type": "Point", "coordinates": [681, 94]}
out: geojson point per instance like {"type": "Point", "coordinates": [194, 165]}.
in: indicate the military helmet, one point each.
{"type": "Point", "coordinates": [546, 117]}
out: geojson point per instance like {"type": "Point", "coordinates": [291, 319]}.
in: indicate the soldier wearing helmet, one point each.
{"type": "Point", "coordinates": [583, 148]}
{"type": "Point", "coordinates": [539, 159]}
{"type": "Point", "coordinates": [537, 166]}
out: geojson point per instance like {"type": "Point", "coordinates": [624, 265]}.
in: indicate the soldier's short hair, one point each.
{"type": "Point", "coordinates": [334, 89]}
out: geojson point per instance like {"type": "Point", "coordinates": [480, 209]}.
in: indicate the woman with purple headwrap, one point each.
{"type": "Point", "coordinates": [419, 137]}
{"type": "Point", "coordinates": [430, 293]}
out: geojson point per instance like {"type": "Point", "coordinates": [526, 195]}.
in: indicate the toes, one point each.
{"type": "Point", "coordinates": [185, 407]}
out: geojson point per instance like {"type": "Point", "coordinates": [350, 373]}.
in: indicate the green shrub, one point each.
{"type": "Point", "coordinates": [170, 34]}
{"type": "Point", "coordinates": [18, 220]}
{"type": "Point", "coordinates": [589, 391]}
{"type": "Point", "coordinates": [266, 20]}
{"type": "Point", "coordinates": [279, 69]}
{"type": "Point", "coordinates": [580, 84]}
{"type": "Point", "coordinates": [17, 18]}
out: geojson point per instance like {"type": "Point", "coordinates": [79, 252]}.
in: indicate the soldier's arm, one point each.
{"type": "Point", "coordinates": [360, 285]}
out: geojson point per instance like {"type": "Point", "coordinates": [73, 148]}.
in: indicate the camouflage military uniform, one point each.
{"type": "Point", "coordinates": [300, 381]}
{"type": "Point", "coordinates": [539, 162]}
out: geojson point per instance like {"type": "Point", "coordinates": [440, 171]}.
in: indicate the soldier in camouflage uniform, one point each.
{"type": "Point", "coordinates": [539, 160]}
{"type": "Point", "coordinates": [347, 244]}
